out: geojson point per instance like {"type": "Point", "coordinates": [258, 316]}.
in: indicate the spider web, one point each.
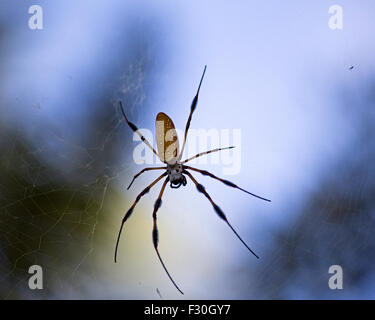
{"type": "Point", "coordinates": [50, 215]}
{"type": "Point", "coordinates": [61, 189]}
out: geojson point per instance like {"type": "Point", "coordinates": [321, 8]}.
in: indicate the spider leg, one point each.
{"type": "Point", "coordinates": [130, 211]}
{"type": "Point", "coordinates": [206, 152]}
{"type": "Point", "coordinates": [155, 233]}
{"type": "Point", "coordinates": [228, 183]}
{"type": "Point", "coordinates": [135, 129]}
{"type": "Point", "coordinates": [217, 209]}
{"type": "Point", "coordinates": [192, 108]}
{"type": "Point", "coordinates": [144, 170]}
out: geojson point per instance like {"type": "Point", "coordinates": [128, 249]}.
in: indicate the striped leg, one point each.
{"type": "Point", "coordinates": [155, 233]}
{"type": "Point", "coordinates": [192, 108]}
{"type": "Point", "coordinates": [130, 211]}
{"type": "Point", "coordinates": [135, 129]}
{"type": "Point", "coordinates": [144, 170]}
{"type": "Point", "coordinates": [217, 209]}
{"type": "Point", "coordinates": [228, 183]}
{"type": "Point", "coordinates": [204, 153]}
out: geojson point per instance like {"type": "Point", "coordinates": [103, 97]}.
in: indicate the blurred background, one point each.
{"type": "Point", "coordinates": [302, 94]}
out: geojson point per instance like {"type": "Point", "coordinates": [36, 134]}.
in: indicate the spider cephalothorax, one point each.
{"type": "Point", "coordinates": [175, 175]}
{"type": "Point", "coordinates": [175, 171]}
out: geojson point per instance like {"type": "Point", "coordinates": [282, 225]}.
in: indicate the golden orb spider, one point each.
{"type": "Point", "coordinates": [175, 172]}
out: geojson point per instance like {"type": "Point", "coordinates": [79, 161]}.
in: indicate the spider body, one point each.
{"type": "Point", "coordinates": [175, 172]}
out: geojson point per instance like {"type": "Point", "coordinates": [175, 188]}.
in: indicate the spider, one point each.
{"type": "Point", "coordinates": [176, 172]}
